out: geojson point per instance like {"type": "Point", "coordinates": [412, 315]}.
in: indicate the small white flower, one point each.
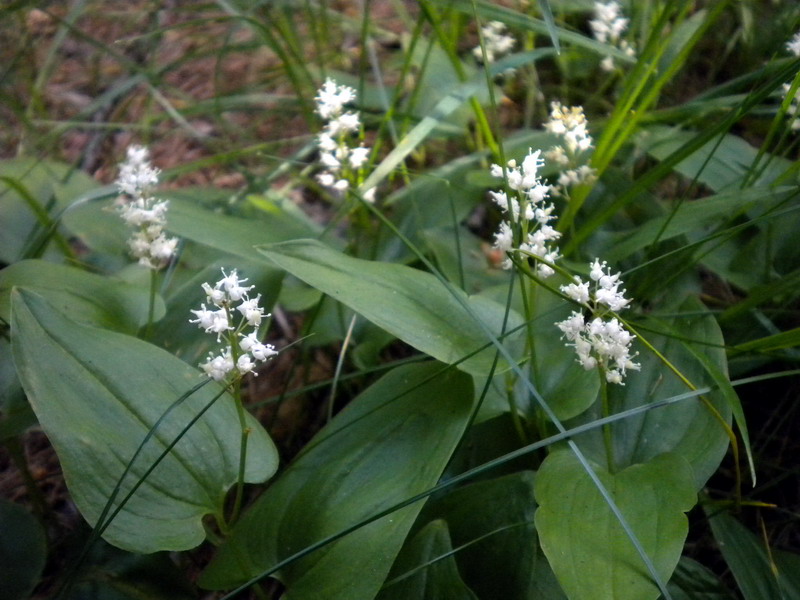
{"type": "Point", "coordinates": [793, 45]}
{"type": "Point", "coordinates": [578, 291]}
{"type": "Point", "coordinates": [504, 238]}
{"type": "Point", "coordinates": [205, 317]}
{"type": "Point", "coordinates": [358, 157]}
{"type": "Point", "coordinates": [326, 179]}
{"type": "Point", "coordinates": [528, 212]}
{"type": "Point", "coordinates": [136, 175]}
{"type": "Point", "coordinates": [496, 41]}
{"type": "Point", "coordinates": [215, 295]}
{"type": "Point", "coordinates": [332, 98]}
{"type": "Point", "coordinates": [263, 351]}
{"type": "Point", "coordinates": [329, 161]}
{"type": "Point", "coordinates": [232, 285]}
{"type": "Point", "coordinates": [608, 27]}
{"type": "Point", "coordinates": [369, 195]}
{"type": "Point", "coordinates": [218, 367]}
{"type": "Point", "coordinates": [599, 342]}
{"type": "Point", "coordinates": [251, 311]}
{"type": "Point", "coordinates": [245, 364]}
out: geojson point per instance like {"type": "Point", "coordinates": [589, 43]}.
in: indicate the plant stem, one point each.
{"type": "Point", "coordinates": [152, 304]}
{"type": "Point", "coordinates": [237, 503]}
{"type": "Point", "coordinates": [607, 439]}
{"type": "Point", "coordinates": [17, 454]}
{"type": "Point", "coordinates": [512, 404]}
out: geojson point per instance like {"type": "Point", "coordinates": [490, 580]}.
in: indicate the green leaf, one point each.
{"type": "Point", "coordinates": [692, 581]}
{"type": "Point", "coordinates": [719, 164]}
{"type": "Point", "coordinates": [762, 574]}
{"type": "Point", "coordinates": [688, 428]}
{"type": "Point", "coordinates": [568, 389]}
{"type": "Point", "coordinates": [584, 542]}
{"type": "Point", "coordinates": [693, 216]}
{"type": "Point", "coordinates": [23, 549]}
{"type": "Point", "coordinates": [426, 569]}
{"type": "Point", "coordinates": [506, 563]}
{"type": "Point", "coordinates": [460, 254]}
{"type": "Point", "coordinates": [390, 443]}
{"type": "Point", "coordinates": [97, 394]}
{"type": "Point", "coordinates": [84, 297]}
{"type": "Point", "coordinates": [48, 183]}
{"type": "Point", "coordinates": [234, 235]}
{"type": "Point", "coordinates": [15, 412]}
{"type": "Point", "coordinates": [111, 574]}
{"type": "Point", "coordinates": [408, 303]}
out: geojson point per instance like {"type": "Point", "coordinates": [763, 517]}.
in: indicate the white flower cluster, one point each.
{"type": "Point", "coordinates": [794, 107]}
{"type": "Point", "coordinates": [569, 123]}
{"type": "Point", "coordinates": [608, 26]}
{"type": "Point", "coordinates": [793, 45]}
{"type": "Point", "coordinates": [141, 211]}
{"type": "Point", "coordinates": [239, 355]}
{"type": "Point", "coordinates": [530, 216]}
{"type": "Point", "coordinates": [599, 342]}
{"type": "Point", "coordinates": [342, 162]}
{"type": "Point", "coordinates": [496, 41]}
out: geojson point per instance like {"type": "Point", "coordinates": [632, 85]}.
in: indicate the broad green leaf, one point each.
{"type": "Point", "coordinates": [15, 412]}
{"type": "Point", "coordinates": [470, 264]}
{"type": "Point", "coordinates": [112, 574]}
{"type": "Point", "coordinates": [50, 184]}
{"type": "Point", "coordinates": [92, 218]}
{"type": "Point", "coordinates": [568, 389]}
{"type": "Point", "coordinates": [692, 581]}
{"type": "Point", "coordinates": [491, 522]}
{"type": "Point", "coordinates": [589, 552]}
{"type": "Point", "coordinates": [97, 394]}
{"type": "Point", "coordinates": [761, 573]}
{"type": "Point", "coordinates": [718, 164]}
{"type": "Point", "coordinates": [408, 303]}
{"type": "Point", "coordinates": [84, 297]}
{"type": "Point", "coordinates": [23, 549]}
{"type": "Point", "coordinates": [390, 443]}
{"type": "Point", "coordinates": [693, 216]}
{"type": "Point", "coordinates": [689, 429]}
{"type": "Point", "coordinates": [426, 569]}
{"type": "Point", "coordinates": [234, 235]}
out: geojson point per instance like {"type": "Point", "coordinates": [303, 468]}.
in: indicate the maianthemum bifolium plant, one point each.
{"type": "Point", "coordinates": [512, 287]}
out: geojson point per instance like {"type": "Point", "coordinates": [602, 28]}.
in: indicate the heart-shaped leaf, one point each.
{"type": "Point", "coordinates": [408, 303]}
{"type": "Point", "coordinates": [591, 555]}
{"type": "Point", "coordinates": [426, 569]}
{"type": "Point", "coordinates": [97, 394]}
{"type": "Point", "coordinates": [23, 549]}
{"type": "Point", "coordinates": [568, 389]}
{"type": "Point", "coordinates": [84, 297]}
{"type": "Point", "coordinates": [390, 443]}
{"type": "Point", "coordinates": [491, 522]}
{"type": "Point", "coordinates": [686, 428]}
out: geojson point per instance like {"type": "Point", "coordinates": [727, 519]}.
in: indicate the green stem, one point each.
{"type": "Point", "coordinates": [237, 503]}
{"type": "Point", "coordinates": [607, 440]}
{"type": "Point", "coordinates": [34, 493]}
{"type": "Point", "coordinates": [512, 404]}
{"type": "Point", "coordinates": [151, 308]}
